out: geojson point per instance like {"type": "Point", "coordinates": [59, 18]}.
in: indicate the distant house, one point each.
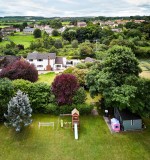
{"type": "Point", "coordinates": [46, 61]}
{"type": "Point", "coordinates": [128, 120]}
{"type": "Point", "coordinates": [81, 24]}
{"type": "Point", "coordinates": [116, 30]}
{"type": "Point", "coordinates": [72, 62]}
{"type": "Point", "coordinates": [10, 29]}
{"type": "Point", "coordinates": [139, 21]}
{"type": "Point", "coordinates": [28, 30]}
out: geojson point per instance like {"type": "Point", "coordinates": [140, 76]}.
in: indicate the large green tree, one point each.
{"type": "Point", "coordinates": [37, 33]}
{"type": "Point", "coordinates": [114, 78]}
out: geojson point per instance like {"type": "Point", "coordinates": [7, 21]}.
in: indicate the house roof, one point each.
{"type": "Point", "coordinates": [75, 111]}
{"type": "Point", "coordinates": [127, 115]}
{"type": "Point", "coordinates": [88, 59]}
{"type": "Point", "coordinates": [36, 55]}
{"type": "Point", "coordinates": [59, 60]}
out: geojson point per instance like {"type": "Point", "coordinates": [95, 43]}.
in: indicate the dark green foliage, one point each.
{"type": "Point", "coordinates": [6, 92]}
{"type": "Point", "coordinates": [1, 39]}
{"type": "Point", "coordinates": [58, 43]}
{"type": "Point", "coordinates": [114, 78]}
{"type": "Point", "coordinates": [69, 34]}
{"type": "Point", "coordinates": [74, 44]}
{"type": "Point", "coordinates": [86, 51]}
{"type": "Point", "coordinates": [37, 33]}
{"type": "Point", "coordinates": [22, 85]}
{"type": "Point", "coordinates": [84, 109]}
{"type": "Point", "coordinates": [55, 33]}
{"type": "Point", "coordinates": [52, 108]}
{"type": "Point", "coordinates": [55, 24]}
{"type": "Point", "coordinates": [40, 96]}
{"type": "Point", "coordinates": [80, 96]}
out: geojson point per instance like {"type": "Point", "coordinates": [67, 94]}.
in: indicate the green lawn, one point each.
{"type": "Point", "coordinates": [47, 78]}
{"type": "Point", "coordinates": [22, 39]}
{"type": "Point", "coordinates": [145, 66]}
{"type": "Point", "coordinates": [19, 38]}
{"type": "Point", "coordinates": [95, 142]}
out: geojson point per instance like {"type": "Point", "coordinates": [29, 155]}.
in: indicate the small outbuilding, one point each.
{"type": "Point", "coordinates": [128, 120]}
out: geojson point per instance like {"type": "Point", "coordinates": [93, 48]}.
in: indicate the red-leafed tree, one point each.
{"type": "Point", "coordinates": [64, 88]}
{"type": "Point", "coordinates": [20, 70]}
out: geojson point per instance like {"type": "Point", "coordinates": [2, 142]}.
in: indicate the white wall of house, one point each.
{"type": "Point", "coordinates": [41, 64]}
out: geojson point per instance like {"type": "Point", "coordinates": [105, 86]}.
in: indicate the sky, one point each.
{"type": "Point", "coordinates": [74, 8]}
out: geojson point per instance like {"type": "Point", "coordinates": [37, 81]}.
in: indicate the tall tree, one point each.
{"type": "Point", "coordinates": [111, 77]}
{"type": "Point", "coordinates": [37, 33]}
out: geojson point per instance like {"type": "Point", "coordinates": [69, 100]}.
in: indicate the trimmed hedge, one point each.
{"type": "Point", "coordinates": [84, 109]}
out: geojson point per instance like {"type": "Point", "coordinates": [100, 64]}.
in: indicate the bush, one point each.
{"type": "Point", "coordinates": [6, 92]}
{"type": "Point", "coordinates": [52, 108]}
{"type": "Point", "coordinates": [69, 70]}
{"type": "Point", "coordinates": [84, 109]}
{"type": "Point", "coordinates": [80, 96]}
{"type": "Point", "coordinates": [39, 95]}
{"type": "Point", "coordinates": [20, 70]}
{"type": "Point", "coordinates": [21, 84]}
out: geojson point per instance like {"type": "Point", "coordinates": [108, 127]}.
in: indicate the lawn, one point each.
{"type": "Point", "coordinates": [95, 142]}
{"type": "Point", "coordinates": [145, 66]}
{"type": "Point", "coordinates": [19, 38]}
{"type": "Point", "coordinates": [47, 78]}
{"type": "Point", "coordinates": [22, 39]}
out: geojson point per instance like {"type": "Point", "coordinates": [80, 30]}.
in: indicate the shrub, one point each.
{"type": "Point", "coordinates": [69, 70]}
{"type": "Point", "coordinates": [80, 96]}
{"type": "Point", "coordinates": [84, 109]}
{"type": "Point", "coordinates": [21, 84]}
{"type": "Point", "coordinates": [52, 108]}
{"type": "Point", "coordinates": [64, 88]}
{"type": "Point", "coordinates": [20, 70]}
{"type": "Point", "coordinates": [39, 95]}
{"type": "Point", "coordinates": [6, 92]}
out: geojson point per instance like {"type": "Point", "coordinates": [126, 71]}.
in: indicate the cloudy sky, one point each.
{"type": "Point", "coordinates": [74, 8]}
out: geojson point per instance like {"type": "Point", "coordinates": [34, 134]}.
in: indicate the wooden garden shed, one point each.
{"type": "Point", "coordinates": [128, 120]}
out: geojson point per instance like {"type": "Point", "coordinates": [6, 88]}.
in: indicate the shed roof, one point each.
{"type": "Point", "coordinates": [127, 115]}
{"type": "Point", "coordinates": [36, 55]}
{"type": "Point", "coordinates": [75, 111]}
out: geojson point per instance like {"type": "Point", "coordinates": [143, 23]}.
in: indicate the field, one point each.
{"type": "Point", "coordinates": [19, 38]}
{"type": "Point", "coordinates": [95, 142]}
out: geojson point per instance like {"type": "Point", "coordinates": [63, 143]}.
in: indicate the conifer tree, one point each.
{"type": "Point", "coordinates": [19, 111]}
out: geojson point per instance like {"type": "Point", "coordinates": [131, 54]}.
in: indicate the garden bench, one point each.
{"type": "Point", "coordinates": [46, 124]}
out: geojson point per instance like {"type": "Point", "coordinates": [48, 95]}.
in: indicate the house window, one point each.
{"type": "Point", "coordinates": [132, 122]}
{"type": "Point", "coordinates": [30, 59]}
{"type": "Point", "coordinates": [39, 65]}
{"type": "Point", "coordinates": [40, 60]}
